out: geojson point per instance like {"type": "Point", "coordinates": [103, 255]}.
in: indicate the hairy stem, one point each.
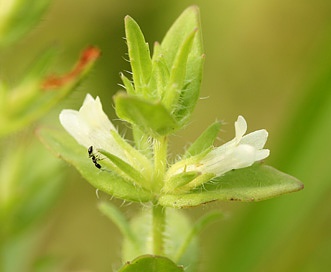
{"type": "Point", "coordinates": [158, 229]}
{"type": "Point", "coordinates": [160, 160]}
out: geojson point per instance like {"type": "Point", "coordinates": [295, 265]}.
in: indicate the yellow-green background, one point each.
{"type": "Point", "coordinates": [269, 61]}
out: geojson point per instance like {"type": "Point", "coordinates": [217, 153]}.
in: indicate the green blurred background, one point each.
{"type": "Point", "coordinates": [269, 61]}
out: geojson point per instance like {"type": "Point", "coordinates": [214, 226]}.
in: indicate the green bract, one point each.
{"type": "Point", "coordinates": [166, 85]}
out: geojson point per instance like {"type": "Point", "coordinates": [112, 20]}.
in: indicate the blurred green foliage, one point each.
{"type": "Point", "coordinates": [267, 60]}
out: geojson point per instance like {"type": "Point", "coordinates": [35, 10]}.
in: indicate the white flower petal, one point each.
{"type": "Point", "coordinates": [257, 138]}
{"type": "Point", "coordinates": [238, 157]}
{"type": "Point", "coordinates": [238, 153]}
{"type": "Point", "coordinates": [71, 121]}
{"type": "Point", "coordinates": [240, 127]}
{"type": "Point", "coordinates": [262, 154]}
{"type": "Point", "coordinates": [88, 98]}
{"type": "Point", "coordinates": [92, 113]}
{"type": "Point", "coordinates": [90, 126]}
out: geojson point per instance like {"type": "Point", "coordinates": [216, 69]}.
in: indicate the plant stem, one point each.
{"type": "Point", "coordinates": [160, 160]}
{"type": "Point", "coordinates": [160, 145]}
{"type": "Point", "coordinates": [158, 229]}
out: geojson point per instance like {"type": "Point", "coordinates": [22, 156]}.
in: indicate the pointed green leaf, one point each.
{"type": "Point", "coordinates": [179, 180]}
{"type": "Point", "coordinates": [204, 141]}
{"type": "Point", "coordinates": [140, 59]}
{"type": "Point", "coordinates": [187, 22]}
{"type": "Point", "coordinates": [178, 73]}
{"type": "Point", "coordinates": [127, 84]}
{"type": "Point", "coordinates": [64, 146]}
{"type": "Point", "coordinates": [152, 118]}
{"type": "Point", "coordinates": [254, 183]}
{"type": "Point", "coordinates": [151, 263]}
{"type": "Point", "coordinates": [134, 156]}
{"type": "Point", "coordinates": [160, 72]}
{"type": "Point", "coordinates": [178, 69]}
{"type": "Point", "coordinates": [125, 170]}
{"type": "Point", "coordinates": [199, 180]}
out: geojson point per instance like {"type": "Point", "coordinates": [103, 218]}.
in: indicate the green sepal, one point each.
{"type": "Point", "coordinates": [142, 142]}
{"type": "Point", "coordinates": [199, 180]}
{"type": "Point", "coordinates": [124, 169]}
{"type": "Point", "coordinates": [127, 84]}
{"type": "Point", "coordinates": [186, 181]}
{"type": "Point", "coordinates": [151, 263]}
{"type": "Point", "coordinates": [64, 146]}
{"type": "Point", "coordinates": [151, 117]}
{"type": "Point", "coordinates": [139, 54]}
{"type": "Point", "coordinates": [204, 141]}
{"type": "Point", "coordinates": [187, 22]}
{"type": "Point", "coordinates": [135, 157]}
{"type": "Point", "coordinates": [255, 183]}
{"type": "Point", "coordinates": [182, 164]}
{"type": "Point", "coordinates": [179, 180]}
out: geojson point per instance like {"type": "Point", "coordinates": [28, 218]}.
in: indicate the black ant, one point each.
{"type": "Point", "coordinates": [94, 158]}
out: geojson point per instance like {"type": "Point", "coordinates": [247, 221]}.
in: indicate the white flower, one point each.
{"type": "Point", "coordinates": [90, 126]}
{"type": "Point", "coordinates": [240, 152]}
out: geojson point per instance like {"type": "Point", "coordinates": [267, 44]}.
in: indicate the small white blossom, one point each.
{"type": "Point", "coordinates": [90, 126]}
{"type": "Point", "coordinates": [240, 152]}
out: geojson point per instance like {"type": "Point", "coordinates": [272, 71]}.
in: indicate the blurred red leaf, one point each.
{"type": "Point", "coordinates": [88, 56]}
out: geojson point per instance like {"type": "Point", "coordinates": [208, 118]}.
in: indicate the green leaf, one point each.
{"type": "Point", "coordinates": [188, 22]}
{"type": "Point", "coordinates": [254, 183]}
{"type": "Point", "coordinates": [140, 59]}
{"type": "Point", "coordinates": [65, 147]}
{"type": "Point", "coordinates": [179, 180]}
{"type": "Point", "coordinates": [160, 72]}
{"type": "Point", "coordinates": [178, 73]}
{"type": "Point", "coordinates": [204, 141]}
{"type": "Point", "coordinates": [152, 118]}
{"type": "Point", "coordinates": [127, 84]}
{"type": "Point", "coordinates": [151, 263]}
{"type": "Point", "coordinates": [135, 157]}
{"type": "Point", "coordinates": [126, 170]}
